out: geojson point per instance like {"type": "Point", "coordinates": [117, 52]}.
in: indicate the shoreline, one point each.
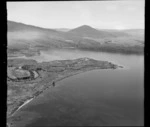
{"type": "Point", "coordinates": [26, 102]}
{"type": "Point", "coordinates": [48, 87]}
{"type": "Point", "coordinates": [82, 65]}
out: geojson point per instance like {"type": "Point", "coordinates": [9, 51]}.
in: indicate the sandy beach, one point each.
{"type": "Point", "coordinates": [26, 102]}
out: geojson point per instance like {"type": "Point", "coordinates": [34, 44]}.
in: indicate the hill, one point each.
{"type": "Point", "coordinates": [28, 39]}
{"type": "Point", "coordinates": [136, 32]}
{"type": "Point", "coordinates": [87, 31]}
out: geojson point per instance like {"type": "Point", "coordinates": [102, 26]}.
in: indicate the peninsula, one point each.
{"type": "Point", "coordinates": [26, 79]}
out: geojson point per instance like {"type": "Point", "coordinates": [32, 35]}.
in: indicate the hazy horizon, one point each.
{"type": "Point", "coordinates": [71, 14]}
{"type": "Point", "coordinates": [79, 26]}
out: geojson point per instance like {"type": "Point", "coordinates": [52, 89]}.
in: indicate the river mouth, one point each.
{"type": "Point", "coordinates": [95, 98]}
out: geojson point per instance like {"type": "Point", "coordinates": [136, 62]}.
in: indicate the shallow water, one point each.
{"type": "Point", "coordinates": [94, 98]}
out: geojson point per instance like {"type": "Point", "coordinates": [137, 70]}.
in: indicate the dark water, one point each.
{"type": "Point", "coordinates": [94, 98]}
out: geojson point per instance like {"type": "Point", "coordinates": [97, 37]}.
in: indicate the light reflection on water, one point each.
{"type": "Point", "coordinates": [99, 97]}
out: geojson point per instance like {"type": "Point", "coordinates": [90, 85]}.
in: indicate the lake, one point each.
{"type": "Point", "coordinates": [94, 98]}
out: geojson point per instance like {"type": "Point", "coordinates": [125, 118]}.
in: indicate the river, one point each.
{"type": "Point", "coordinates": [94, 98]}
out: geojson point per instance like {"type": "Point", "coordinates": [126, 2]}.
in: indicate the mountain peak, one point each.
{"type": "Point", "coordinates": [84, 27]}
{"type": "Point", "coordinates": [88, 31]}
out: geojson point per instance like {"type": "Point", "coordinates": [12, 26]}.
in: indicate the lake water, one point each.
{"type": "Point", "coordinates": [94, 98]}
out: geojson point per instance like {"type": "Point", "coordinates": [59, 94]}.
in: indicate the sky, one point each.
{"type": "Point", "coordinates": [123, 14]}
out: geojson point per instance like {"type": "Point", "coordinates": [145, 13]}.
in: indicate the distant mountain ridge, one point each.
{"type": "Point", "coordinates": [135, 32]}
{"type": "Point", "coordinates": [22, 36]}
{"type": "Point", "coordinates": [16, 26]}
{"type": "Point", "coordinates": [87, 31]}
{"type": "Point", "coordinates": [62, 29]}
